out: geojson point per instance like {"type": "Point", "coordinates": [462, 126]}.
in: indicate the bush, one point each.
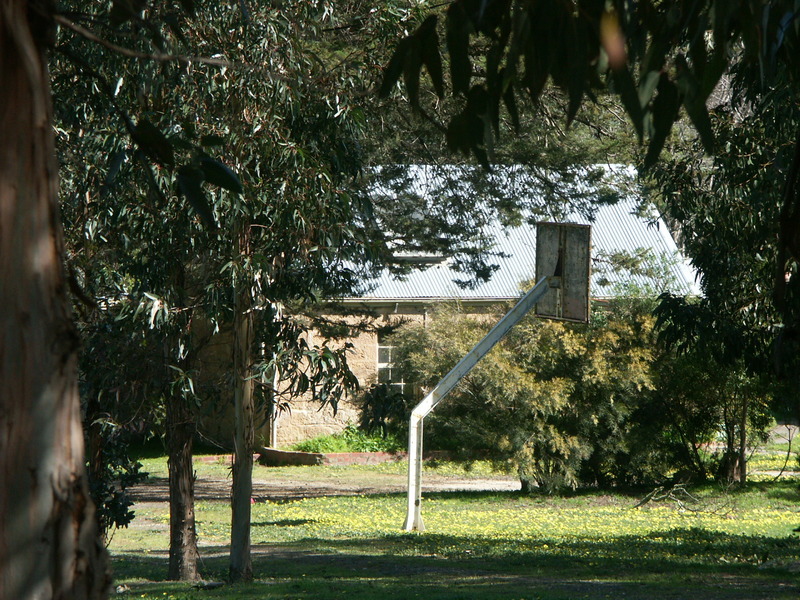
{"type": "Point", "coordinates": [384, 409]}
{"type": "Point", "coordinates": [532, 401]}
{"type": "Point", "coordinates": [565, 404]}
{"type": "Point", "coordinates": [569, 405]}
{"type": "Point", "coordinates": [111, 472]}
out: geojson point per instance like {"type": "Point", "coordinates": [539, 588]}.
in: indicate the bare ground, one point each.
{"type": "Point", "coordinates": [314, 485]}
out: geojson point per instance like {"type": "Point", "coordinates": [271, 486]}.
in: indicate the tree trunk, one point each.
{"type": "Point", "coordinates": [736, 450]}
{"type": "Point", "coordinates": [183, 554]}
{"type": "Point", "coordinates": [733, 468]}
{"type": "Point", "coordinates": [49, 544]}
{"type": "Point", "coordinates": [240, 563]}
{"type": "Point", "coordinates": [742, 474]}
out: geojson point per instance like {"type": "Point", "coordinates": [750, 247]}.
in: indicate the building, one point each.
{"type": "Point", "coordinates": [621, 235]}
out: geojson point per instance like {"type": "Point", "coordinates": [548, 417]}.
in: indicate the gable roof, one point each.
{"type": "Point", "coordinates": [616, 230]}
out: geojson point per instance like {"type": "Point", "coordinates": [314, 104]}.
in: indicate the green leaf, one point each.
{"type": "Point", "coordinates": [154, 143]}
{"type": "Point", "coordinates": [576, 52]}
{"type": "Point", "coordinates": [115, 164]}
{"type": "Point", "coordinates": [654, 58]}
{"type": "Point", "coordinates": [123, 11]}
{"type": "Point", "coordinates": [431, 57]}
{"type": "Point", "coordinates": [302, 384]}
{"type": "Point", "coordinates": [510, 101]}
{"type": "Point", "coordinates": [698, 51]}
{"type": "Point", "coordinates": [395, 68]}
{"type": "Point", "coordinates": [212, 140]}
{"type": "Point", "coordinates": [494, 84]}
{"type": "Point", "coordinates": [189, 180]}
{"type": "Point", "coordinates": [576, 83]}
{"type": "Point", "coordinates": [713, 71]}
{"type": "Point", "coordinates": [536, 68]}
{"type": "Point", "coordinates": [475, 123]}
{"type": "Point", "coordinates": [411, 70]}
{"type": "Point", "coordinates": [647, 86]}
{"type": "Point", "coordinates": [698, 113]}
{"type": "Point", "coordinates": [457, 38]}
{"type": "Point", "coordinates": [665, 113]}
{"type": "Point", "coordinates": [694, 102]}
{"type": "Point", "coordinates": [519, 37]}
{"type": "Point", "coordinates": [220, 174]}
{"type": "Point", "coordinates": [623, 82]}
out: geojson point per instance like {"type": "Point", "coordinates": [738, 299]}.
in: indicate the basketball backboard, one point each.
{"type": "Point", "coordinates": [563, 251]}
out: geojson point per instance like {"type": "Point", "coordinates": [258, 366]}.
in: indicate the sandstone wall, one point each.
{"type": "Point", "coordinates": [307, 420]}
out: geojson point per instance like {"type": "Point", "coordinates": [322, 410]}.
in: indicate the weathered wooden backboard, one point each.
{"type": "Point", "coordinates": [563, 250]}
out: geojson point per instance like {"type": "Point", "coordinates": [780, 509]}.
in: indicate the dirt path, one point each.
{"type": "Point", "coordinates": [312, 486]}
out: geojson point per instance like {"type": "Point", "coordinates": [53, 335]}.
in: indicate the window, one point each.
{"type": "Point", "coordinates": [387, 372]}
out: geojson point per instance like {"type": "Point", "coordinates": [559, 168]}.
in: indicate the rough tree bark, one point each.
{"type": "Point", "coordinates": [49, 543]}
{"type": "Point", "coordinates": [181, 428]}
{"type": "Point", "coordinates": [183, 554]}
{"type": "Point", "coordinates": [733, 467]}
{"type": "Point", "coordinates": [241, 568]}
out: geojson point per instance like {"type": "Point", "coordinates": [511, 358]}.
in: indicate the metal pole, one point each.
{"type": "Point", "coordinates": [413, 516]}
{"type": "Point", "coordinates": [465, 365]}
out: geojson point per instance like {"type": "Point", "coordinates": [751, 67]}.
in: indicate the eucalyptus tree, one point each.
{"type": "Point", "coordinates": [729, 208]}
{"type": "Point", "coordinates": [187, 259]}
{"type": "Point", "coordinates": [132, 247]}
{"type": "Point", "coordinates": [48, 535]}
{"type": "Point", "coordinates": [274, 103]}
{"type": "Point", "coordinates": [277, 223]}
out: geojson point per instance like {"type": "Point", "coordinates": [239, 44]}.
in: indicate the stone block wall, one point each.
{"type": "Point", "coordinates": [305, 419]}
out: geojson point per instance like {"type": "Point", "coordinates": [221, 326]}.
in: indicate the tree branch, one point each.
{"type": "Point", "coordinates": [154, 56]}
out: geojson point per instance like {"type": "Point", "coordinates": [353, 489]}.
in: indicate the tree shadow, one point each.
{"type": "Point", "coordinates": [675, 563]}
{"type": "Point", "coordinates": [787, 494]}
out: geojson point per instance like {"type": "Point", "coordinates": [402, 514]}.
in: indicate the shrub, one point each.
{"type": "Point", "coordinates": [111, 472]}
{"type": "Point", "coordinates": [385, 410]}
{"type": "Point", "coordinates": [571, 404]}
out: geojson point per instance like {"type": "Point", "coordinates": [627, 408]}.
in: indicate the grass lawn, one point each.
{"type": "Point", "coordinates": [494, 545]}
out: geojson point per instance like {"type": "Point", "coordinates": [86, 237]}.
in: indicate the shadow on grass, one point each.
{"type": "Point", "coordinates": [679, 563]}
{"type": "Point", "coordinates": [785, 493]}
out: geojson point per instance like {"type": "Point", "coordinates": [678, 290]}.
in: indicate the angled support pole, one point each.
{"type": "Point", "coordinates": [413, 516]}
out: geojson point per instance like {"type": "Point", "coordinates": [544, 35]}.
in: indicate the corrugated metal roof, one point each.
{"type": "Point", "coordinates": [616, 229]}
